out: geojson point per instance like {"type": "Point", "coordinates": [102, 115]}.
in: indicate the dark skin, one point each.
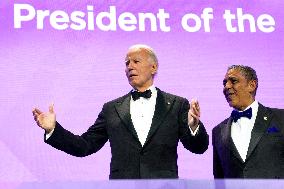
{"type": "Point", "coordinates": [238, 91]}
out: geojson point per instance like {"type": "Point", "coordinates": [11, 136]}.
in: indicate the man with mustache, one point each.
{"type": "Point", "coordinates": [143, 126]}
{"type": "Point", "coordinates": [250, 143]}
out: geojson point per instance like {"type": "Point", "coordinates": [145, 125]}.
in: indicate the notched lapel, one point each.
{"type": "Point", "coordinates": [261, 124]}
{"type": "Point", "coordinates": [123, 110]}
{"type": "Point", "coordinates": [163, 105]}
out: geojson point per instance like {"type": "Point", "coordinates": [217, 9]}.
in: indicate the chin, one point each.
{"type": "Point", "coordinates": [231, 104]}
{"type": "Point", "coordinates": [237, 107]}
{"type": "Point", "coordinates": [131, 83]}
{"type": "Point", "coordinates": [134, 85]}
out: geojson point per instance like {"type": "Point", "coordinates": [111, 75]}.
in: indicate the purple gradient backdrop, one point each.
{"type": "Point", "coordinates": [80, 70]}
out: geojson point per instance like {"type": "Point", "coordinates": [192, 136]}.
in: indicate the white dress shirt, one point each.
{"type": "Point", "coordinates": [241, 131]}
{"type": "Point", "coordinates": [142, 112]}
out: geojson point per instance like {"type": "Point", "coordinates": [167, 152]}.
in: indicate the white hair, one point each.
{"type": "Point", "coordinates": [147, 48]}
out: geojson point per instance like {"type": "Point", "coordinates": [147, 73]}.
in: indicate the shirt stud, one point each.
{"type": "Point", "coordinates": [265, 118]}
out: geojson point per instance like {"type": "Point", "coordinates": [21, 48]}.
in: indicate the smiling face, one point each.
{"type": "Point", "coordinates": [140, 68]}
{"type": "Point", "coordinates": [238, 91]}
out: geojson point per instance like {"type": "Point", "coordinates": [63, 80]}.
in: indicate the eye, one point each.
{"type": "Point", "coordinates": [234, 81]}
{"type": "Point", "coordinates": [136, 61]}
{"type": "Point", "coordinates": [127, 62]}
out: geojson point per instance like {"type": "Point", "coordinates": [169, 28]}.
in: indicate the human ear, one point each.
{"type": "Point", "coordinates": [154, 68]}
{"type": "Point", "coordinates": [252, 85]}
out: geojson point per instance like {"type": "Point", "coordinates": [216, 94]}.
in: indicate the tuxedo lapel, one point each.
{"type": "Point", "coordinates": [228, 141]}
{"type": "Point", "coordinates": [123, 110]}
{"type": "Point", "coordinates": [163, 105]}
{"type": "Point", "coordinates": [261, 124]}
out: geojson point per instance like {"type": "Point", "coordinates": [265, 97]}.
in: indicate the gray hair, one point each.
{"type": "Point", "coordinates": [248, 72]}
{"type": "Point", "coordinates": [147, 48]}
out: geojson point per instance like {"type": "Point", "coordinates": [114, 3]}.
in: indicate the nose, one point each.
{"type": "Point", "coordinates": [129, 65]}
{"type": "Point", "coordinates": [227, 86]}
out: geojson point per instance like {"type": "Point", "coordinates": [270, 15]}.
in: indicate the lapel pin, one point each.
{"type": "Point", "coordinates": [265, 118]}
{"type": "Point", "coordinates": [168, 103]}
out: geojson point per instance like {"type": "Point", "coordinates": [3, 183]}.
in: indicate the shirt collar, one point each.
{"type": "Point", "coordinates": [152, 88]}
{"type": "Point", "coordinates": [254, 107]}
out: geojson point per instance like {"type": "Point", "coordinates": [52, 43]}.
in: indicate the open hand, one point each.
{"type": "Point", "coordinates": [45, 120]}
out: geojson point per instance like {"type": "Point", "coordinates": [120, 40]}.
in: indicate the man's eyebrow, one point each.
{"type": "Point", "coordinates": [231, 77]}
{"type": "Point", "coordinates": [135, 58]}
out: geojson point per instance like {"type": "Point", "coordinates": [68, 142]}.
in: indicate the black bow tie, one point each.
{"type": "Point", "coordinates": [237, 115]}
{"type": "Point", "coordinates": [136, 95]}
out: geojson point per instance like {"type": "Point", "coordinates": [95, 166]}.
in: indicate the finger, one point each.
{"type": "Point", "coordinates": [194, 116]}
{"type": "Point", "coordinates": [35, 118]}
{"type": "Point", "coordinates": [194, 112]}
{"type": "Point", "coordinates": [35, 114]}
{"type": "Point", "coordinates": [37, 111]}
{"type": "Point", "coordinates": [51, 108]}
{"type": "Point", "coordinates": [195, 106]}
{"type": "Point", "coordinates": [34, 111]}
{"type": "Point", "coordinates": [197, 111]}
{"type": "Point", "coordinates": [193, 120]}
{"type": "Point", "coordinates": [193, 103]}
{"type": "Point", "coordinates": [196, 103]}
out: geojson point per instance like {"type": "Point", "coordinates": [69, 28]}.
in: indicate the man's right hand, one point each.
{"type": "Point", "coordinates": [45, 120]}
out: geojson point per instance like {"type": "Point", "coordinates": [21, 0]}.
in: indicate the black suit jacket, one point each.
{"type": "Point", "coordinates": [265, 156]}
{"type": "Point", "coordinates": [157, 158]}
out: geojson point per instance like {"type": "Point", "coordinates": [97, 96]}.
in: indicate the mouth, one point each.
{"type": "Point", "coordinates": [229, 96]}
{"type": "Point", "coordinates": [131, 76]}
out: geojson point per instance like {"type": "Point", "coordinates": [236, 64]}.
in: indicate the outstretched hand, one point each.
{"type": "Point", "coordinates": [193, 114]}
{"type": "Point", "coordinates": [45, 120]}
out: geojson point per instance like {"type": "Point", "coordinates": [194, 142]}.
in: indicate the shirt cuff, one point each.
{"type": "Point", "coordinates": [47, 136]}
{"type": "Point", "coordinates": [193, 133]}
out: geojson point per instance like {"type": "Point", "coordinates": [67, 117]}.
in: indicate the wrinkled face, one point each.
{"type": "Point", "coordinates": [139, 68]}
{"type": "Point", "coordinates": [238, 90]}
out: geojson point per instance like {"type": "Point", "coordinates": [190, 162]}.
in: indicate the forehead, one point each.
{"type": "Point", "coordinates": [234, 73]}
{"type": "Point", "coordinates": [137, 53]}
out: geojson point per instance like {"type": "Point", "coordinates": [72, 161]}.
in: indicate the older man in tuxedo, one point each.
{"type": "Point", "coordinates": [250, 143]}
{"type": "Point", "coordinates": [143, 126]}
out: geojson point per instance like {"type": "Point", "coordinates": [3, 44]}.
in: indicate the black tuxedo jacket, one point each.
{"type": "Point", "coordinates": [265, 156]}
{"type": "Point", "coordinates": [157, 158]}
